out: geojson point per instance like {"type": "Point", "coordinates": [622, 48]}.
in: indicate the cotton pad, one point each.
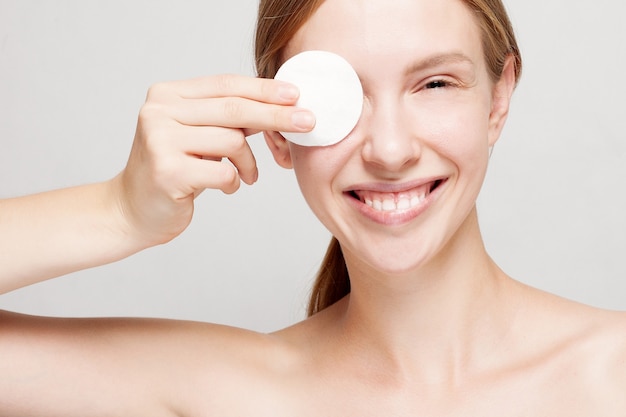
{"type": "Point", "coordinates": [330, 88]}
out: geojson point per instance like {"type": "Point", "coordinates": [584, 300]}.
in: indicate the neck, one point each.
{"type": "Point", "coordinates": [440, 321]}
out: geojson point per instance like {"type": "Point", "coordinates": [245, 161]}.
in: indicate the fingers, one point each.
{"type": "Point", "coordinates": [219, 175]}
{"type": "Point", "coordinates": [228, 85]}
{"type": "Point", "coordinates": [237, 112]}
{"type": "Point", "coordinates": [191, 174]}
{"type": "Point", "coordinates": [173, 151]}
{"type": "Point", "coordinates": [248, 103]}
{"type": "Point", "coordinates": [191, 134]}
{"type": "Point", "coordinates": [213, 144]}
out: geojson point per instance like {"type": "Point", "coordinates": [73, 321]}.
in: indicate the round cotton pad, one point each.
{"type": "Point", "coordinates": [330, 88]}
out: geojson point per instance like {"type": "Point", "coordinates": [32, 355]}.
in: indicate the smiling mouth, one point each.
{"type": "Point", "coordinates": [396, 201]}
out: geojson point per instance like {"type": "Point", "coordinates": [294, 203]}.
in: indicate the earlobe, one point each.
{"type": "Point", "coordinates": [501, 100]}
{"type": "Point", "coordinates": [279, 147]}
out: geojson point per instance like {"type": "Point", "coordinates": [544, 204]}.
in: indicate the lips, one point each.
{"type": "Point", "coordinates": [407, 198]}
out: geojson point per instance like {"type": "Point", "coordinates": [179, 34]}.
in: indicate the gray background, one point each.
{"type": "Point", "coordinates": [73, 75]}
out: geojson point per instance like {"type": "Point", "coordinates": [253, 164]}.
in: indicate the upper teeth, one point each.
{"type": "Point", "coordinates": [394, 201]}
{"type": "Point", "coordinates": [389, 204]}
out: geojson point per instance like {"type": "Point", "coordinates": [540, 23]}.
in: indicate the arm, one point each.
{"type": "Point", "coordinates": [57, 232]}
{"type": "Point", "coordinates": [71, 367]}
{"type": "Point", "coordinates": [128, 367]}
{"type": "Point", "coordinates": [191, 135]}
{"type": "Point", "coordinates": [184, 130]}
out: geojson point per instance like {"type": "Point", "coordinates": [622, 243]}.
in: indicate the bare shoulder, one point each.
{"type": "Point", "coordinates": [587, 348]}
{"type": "Point", "coordinates": [598, 333]}
{"type": "Point", "coordinates": [598, 362]}
{"type": "Point", "coordinates": [605, 354]}
{"type": "Point", "coordinates": [133, 366]}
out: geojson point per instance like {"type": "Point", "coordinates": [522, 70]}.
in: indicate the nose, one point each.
{"type": "Point", "coordinates": [390, 142]}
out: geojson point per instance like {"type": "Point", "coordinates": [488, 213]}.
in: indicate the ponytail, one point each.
{"type": "Point", "coordinates": [332, 282]}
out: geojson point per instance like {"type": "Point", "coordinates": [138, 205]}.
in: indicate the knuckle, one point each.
{"type": "Point", "coordinates": [147, 112]}
{"type": "Point", "coordinates": [150, 121]}
{"type": "Point", "coordinates": [238, 143]}
{"type": "Point", "coordinates": [233, 109]}
{"type": "Point", "coordinates": [280, 118]}
{"type": "Point", "coordinates": [156, 91]}
{"type": "Point", "coordinates": [224, 82]}
{"type": "Point", "coordinates": [266, 88]}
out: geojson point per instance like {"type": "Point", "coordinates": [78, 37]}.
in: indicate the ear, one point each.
{"type": "Point", "coordinates": [279, 147]}
{"type": "Point", "coordinates": [501, 100]}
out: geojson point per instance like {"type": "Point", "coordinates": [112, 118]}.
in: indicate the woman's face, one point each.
{"type": "Point", "coordinates": [404, 181]}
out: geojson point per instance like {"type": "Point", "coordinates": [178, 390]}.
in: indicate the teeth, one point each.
{"type": "Point", "coordinates": [403, 204]}
{"type": "Point", "coordinates": [389, 205]}
{"type": "Point", "coordinates": [388, 202]}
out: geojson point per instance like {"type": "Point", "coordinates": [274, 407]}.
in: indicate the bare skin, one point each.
{"type": "Point", "coordinates": [104, 367]}
{"type": "Point", "coordinates": [432, 326]}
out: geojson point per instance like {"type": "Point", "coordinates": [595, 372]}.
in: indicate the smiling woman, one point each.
{"type": "Point", "coordinates": [448, 67]}
{"type": "Point", "coordinates": [409, 315]}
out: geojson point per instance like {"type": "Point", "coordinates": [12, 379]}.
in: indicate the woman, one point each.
{"type": "Point", "coordinates": [426, 325]}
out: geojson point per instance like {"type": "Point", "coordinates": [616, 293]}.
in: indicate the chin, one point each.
{"type": "Point", "coordinates": [398, 262]}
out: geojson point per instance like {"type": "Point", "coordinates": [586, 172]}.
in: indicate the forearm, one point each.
{"type": "Point", "coordinates": [54, 233]}
{"type": "Point", "coordinates": [188, 139]}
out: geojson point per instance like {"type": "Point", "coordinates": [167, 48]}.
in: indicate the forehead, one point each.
{"type": "Point", "coordinates": [376, 32]}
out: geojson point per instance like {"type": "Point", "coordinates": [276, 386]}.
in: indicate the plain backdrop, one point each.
{"type": "Point", "coordinates": [74, 73]}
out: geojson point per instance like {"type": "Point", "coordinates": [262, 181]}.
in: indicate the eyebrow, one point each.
{"type": "Point", "coordinates": [437, 60]}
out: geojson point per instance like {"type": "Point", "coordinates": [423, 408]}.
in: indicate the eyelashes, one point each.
{"type": "Point", "coordinates": [431, 85]}
{"type": "Point", "coordinates": [434, 85]}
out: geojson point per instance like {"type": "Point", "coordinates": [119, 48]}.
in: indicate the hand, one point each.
{"type": "Point", "coordinates": [191, 135]}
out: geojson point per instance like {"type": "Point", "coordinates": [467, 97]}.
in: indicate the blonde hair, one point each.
{"type": "Point", "coordinates": [279, 20]}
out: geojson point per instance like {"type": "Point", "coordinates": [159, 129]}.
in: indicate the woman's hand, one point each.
{"type": "Point", "coordinates": [191, 135]}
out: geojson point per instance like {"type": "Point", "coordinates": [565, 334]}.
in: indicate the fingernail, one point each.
{"type": "Point", "coordinates": [288, 92]}
{"type": "Point", "coordinates": [303, 120]}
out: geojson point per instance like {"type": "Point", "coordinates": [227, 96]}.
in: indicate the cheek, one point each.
{"type": "Point", "coordinates": [314, 167]}
{"type": "Point", "coordinates": [459, 131]}
{"type": "Point", "coordinates": [319, 164]}
{"type": "Point", "coordinates": [318, 170]}
{"type": "Point", "coordinates": [313, 176]}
